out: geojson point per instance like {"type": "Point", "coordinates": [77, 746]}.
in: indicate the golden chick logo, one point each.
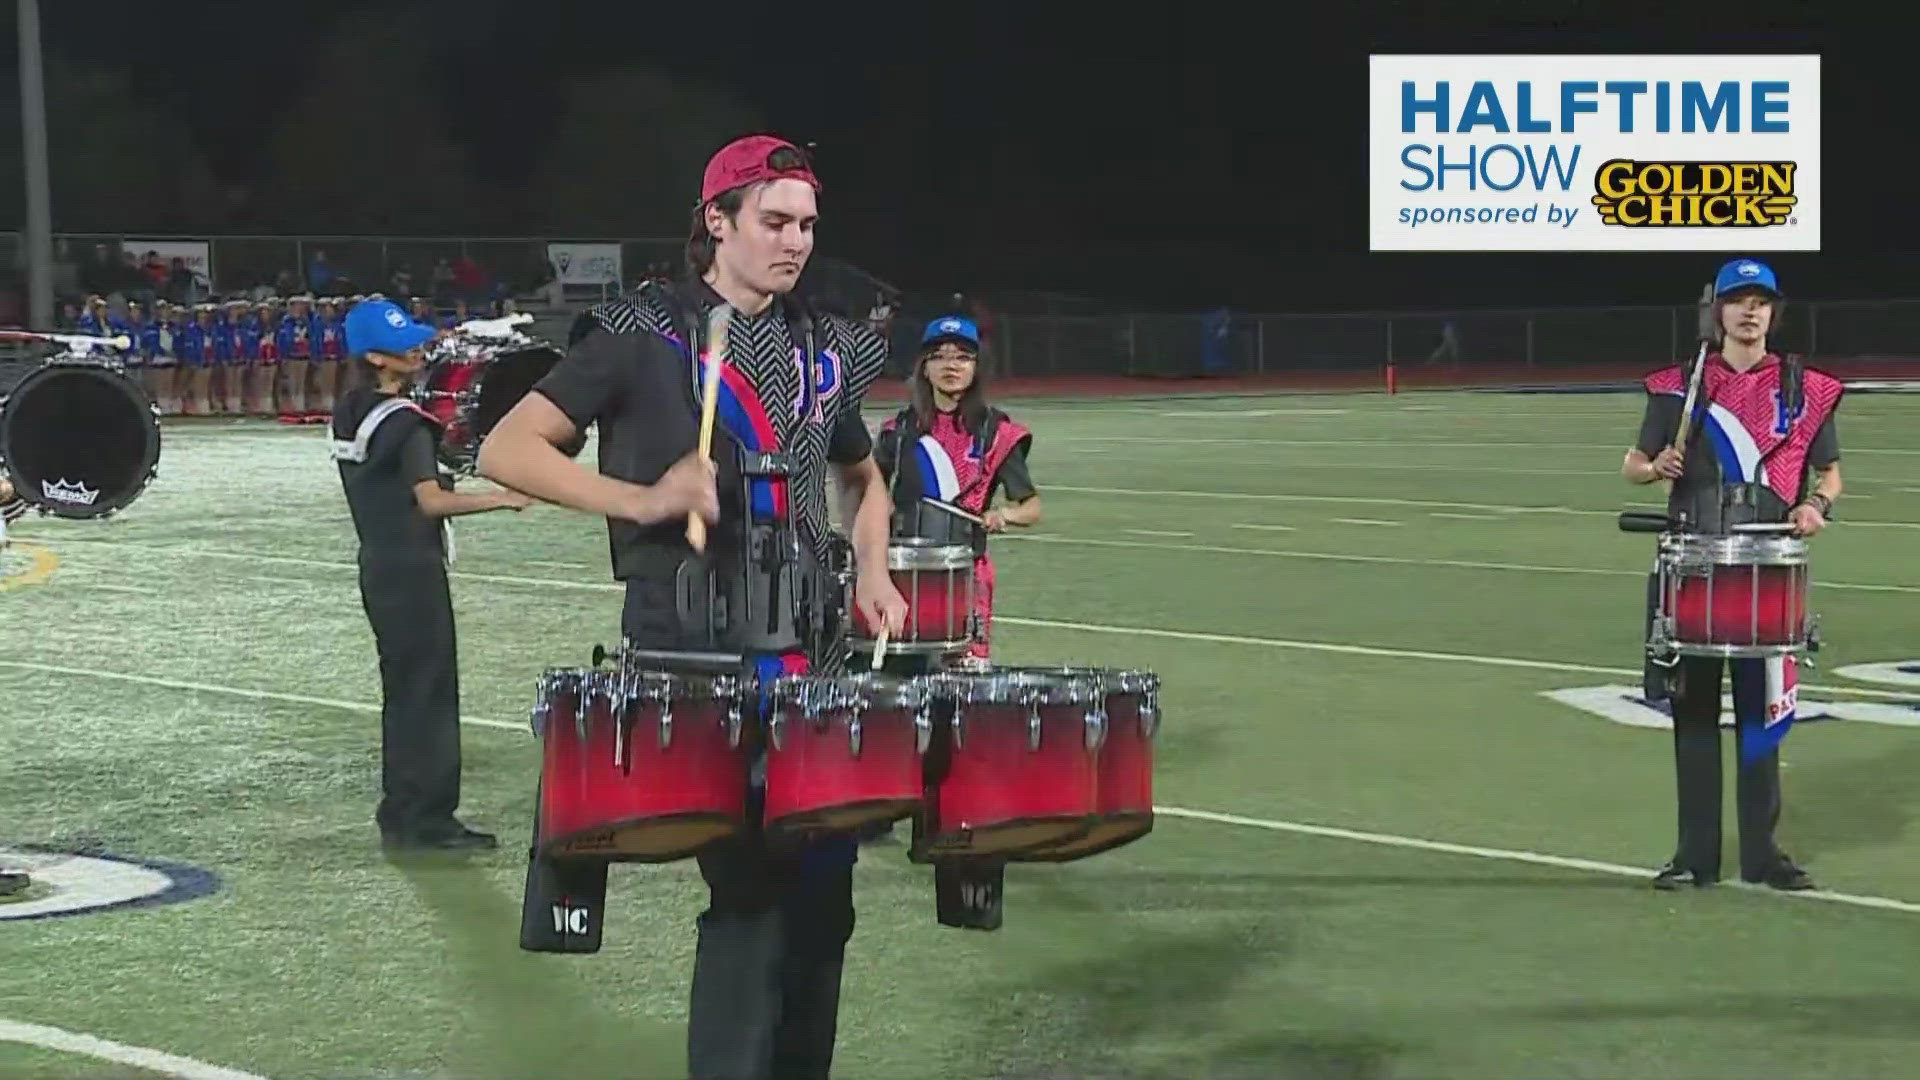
{"type": "Point", "coordinates": [1660, 194]}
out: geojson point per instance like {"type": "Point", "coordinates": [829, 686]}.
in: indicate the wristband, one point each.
{"type": "Point", "coordinates": [1821, 503]}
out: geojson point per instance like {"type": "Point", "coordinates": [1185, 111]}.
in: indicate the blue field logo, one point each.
{"type": "Point", "coordinates": [64, 883]}
{"type": "Point", "coordinates": [1593, 153]}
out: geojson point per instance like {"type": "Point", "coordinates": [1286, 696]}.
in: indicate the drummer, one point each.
{"type": "Point", "coordinates": [1772, 454]}
{"type": "Point", "coordinates": [961, 451]}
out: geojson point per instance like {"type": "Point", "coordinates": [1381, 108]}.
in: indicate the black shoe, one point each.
{"type": "Point", "coordinates": [1673, 875]}
{"type": "Point", "coordinates": [1784, 875]}
{"type": "Point", "coordinates": [456, 838]}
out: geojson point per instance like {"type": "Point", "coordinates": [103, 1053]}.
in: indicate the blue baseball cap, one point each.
{"type": "Point", "coordinates": [1745, 274]}
{"type": "Point", "coordinates": [381, 326]}
{"type": "Point", "coordinates": [952, 328]}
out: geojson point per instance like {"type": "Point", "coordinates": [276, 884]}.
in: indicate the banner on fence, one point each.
{"type": "Point", "coordinates": [585, 264]}
{"type": "Point", "coordinates": [196, 254]}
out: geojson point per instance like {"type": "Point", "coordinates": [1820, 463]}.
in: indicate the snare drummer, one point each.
{"type": "Point", "coordinates": [766, 980]}
{"type": "Point", "coordinates": [960, 450]}
{"type": "Point", "coordinates": [399, 500]}
{"type": "Point", "coordinates": [1771, 454]}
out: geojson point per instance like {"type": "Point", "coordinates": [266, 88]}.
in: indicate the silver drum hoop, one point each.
{"type": "Point", "coordinates": [915, 553]}
{"type": "Point", "coordinates": [1691, 552]}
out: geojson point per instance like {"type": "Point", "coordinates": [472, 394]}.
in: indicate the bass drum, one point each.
{"type": "Point", "coordinates": [469, 392]}
{"type": "Point", "coordinates": [79, 438]}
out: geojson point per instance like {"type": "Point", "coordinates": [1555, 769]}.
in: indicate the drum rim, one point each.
{"type": "Point", "coordinates": [1734, 549]}
{"type": "Point", "coordinates": [921, 553]}
{"type": "Point", "coordinates": [115, 373]}
{"type": "Point", "coordinates": [966, 686]}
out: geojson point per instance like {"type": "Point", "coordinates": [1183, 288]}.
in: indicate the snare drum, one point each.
{"type": "Point", "coordinates": [639, 766]}
{"type": "Point", "coordinates": [1739, 595]}
{"type": "Point", "coordinates": [936, 579]}
{"type": "Point", "coordinates": [1124, 808]}
{"type": "Point", "coordinates": [1021, 756]}
{"type": "Point", "coordinates": [845, 753]}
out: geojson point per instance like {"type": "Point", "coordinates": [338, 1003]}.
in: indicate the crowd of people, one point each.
{"type": "Point", "coordinates": [275, 356]}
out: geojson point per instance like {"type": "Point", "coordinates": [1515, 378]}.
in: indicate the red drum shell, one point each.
{"type": "Point", "coordinates": [818, 781]}
{"type": "Point", "coordinates": [1750, 605]}
{"type": "Point", "coordinates": [658, 804]}
{"type": "Point", "coordinates": [1001, 795]}
{"type": "Point", "coordinates": [1125, 776]}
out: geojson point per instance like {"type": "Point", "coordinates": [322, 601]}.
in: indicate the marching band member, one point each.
{"type": "Point", "coordinates": [239, 358]}
{"type": "Point", "coordinates": [142, 335]}
{"type": "Point", "coordinates": [168, 379]}
{"type": "Point", "coordinates": [330, 332]}
{"type": "Point", "coordinates": [385, 447]}
{"type": "Point", "coordinates": [198, 351]}
{"type": "Point", "coordinates": [766, 979]}
{"type": "Point", "coordinates": [297, 352]}
{"type": "Point", "coordinates": [1768, 422]}
{"type": "Point", "coordinates": [951, 445]}
{"type": "Point", "coordinates": [94, 319]}
{"type": "Point", "coordinates": [266, 374]}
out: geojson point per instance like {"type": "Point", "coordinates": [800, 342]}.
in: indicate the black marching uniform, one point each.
{"type": "Point", "coordinates": [384, 447]}
{"type": "Point", "coordinates": [766, 980]}
{"type": "Point", "coordinates": [1693, 684]}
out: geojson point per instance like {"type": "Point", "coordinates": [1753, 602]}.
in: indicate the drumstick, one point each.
{"type": "Point", "coordinates": [880, 646]}
{"type": "Point", "coordinates": [954, 510]}
{"type": "Point", "coordinates": [121, 342]}
{"type": "Point", "coordinates": [709, 402]}
{"type": "Point", "coordinates": [1699, 371]}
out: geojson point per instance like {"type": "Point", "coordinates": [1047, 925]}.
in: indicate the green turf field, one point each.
{"type": "Point", "coordinates": [1357, 605]}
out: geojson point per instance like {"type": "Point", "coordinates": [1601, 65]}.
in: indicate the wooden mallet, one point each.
{"type": "Point", "coordinates": [717, 321]}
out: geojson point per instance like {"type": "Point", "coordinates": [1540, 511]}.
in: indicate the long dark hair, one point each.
{"type": "Point", "coordinates": [973, 401]}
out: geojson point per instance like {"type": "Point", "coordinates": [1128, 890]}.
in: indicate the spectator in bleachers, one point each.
{"type": "Point", "coordinates": [421, 310]}
{"type": "Point", "coordinates": [401, 282]}
{"type": "Point", "coordinates": [440, 286]}
{"type": "Point", "coordinates": [137, 331]}
{"type": "Point", "coordinates": [182, 286]}
{"type": "Point", "coordinates": [69, 317]}
{"type": "Point", "coordinates": [319, 272]}
{"type": "Point", "coordinates": [459, 316]}
{"type": "Point", "coordinates": [470, 280]}
{"type": "Point", "coordinates": [155, 269]}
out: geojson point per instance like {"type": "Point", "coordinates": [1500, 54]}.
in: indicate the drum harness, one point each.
{"type": "Point", "coordinates": [777, 595]}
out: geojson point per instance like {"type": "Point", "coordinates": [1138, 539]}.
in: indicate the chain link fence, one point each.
{"type": "Point", "coordinates": [1545, 341]}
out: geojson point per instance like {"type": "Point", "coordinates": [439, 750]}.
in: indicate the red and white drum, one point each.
{"type": "Point", "coordinates": [936, 579]}
{"type": "Point", "coordinates": [1124, 766]}
{"type": "Point", "coordinates": [470, 385]}
{"type": "Point", "coordinates": [1740, 595]}
{"type": "Point", "coordinates": [640, 766]}
{"type": "Point", "coordinates": [1021, 761]}
{"type": "Point", "coordinates": [845, 752]}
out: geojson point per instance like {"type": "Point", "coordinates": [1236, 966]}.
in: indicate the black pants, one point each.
{"type": "Point", "coordinates": [766, 970]}
{"type": "Point", "coordinates": [412, 616]}
{"type": "Point", "coordinates": [1697, 771]}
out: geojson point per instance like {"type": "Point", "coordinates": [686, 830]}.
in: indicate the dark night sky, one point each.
{"type": "Point", "coordinates": [1183, 157]}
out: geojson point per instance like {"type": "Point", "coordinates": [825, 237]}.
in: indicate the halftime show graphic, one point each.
{"type": "Point", "coordinates": [1593, 153]}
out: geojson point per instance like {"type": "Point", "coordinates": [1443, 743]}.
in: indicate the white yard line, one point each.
{"type": "Point", "coordinates": [138, 1057]}
{"type": "Point", "coordinates": [1366, 521]}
